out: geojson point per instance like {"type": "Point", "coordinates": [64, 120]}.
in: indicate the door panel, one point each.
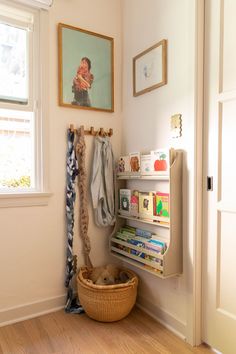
{"type": "Point", "coordinates": [219, 214]}
{"type": "Point", "coordinates": [227, 286]}
{"type": "Point", "coordinates": [227, 149]}
{"type": "Point", "coordinates": [228, 29]}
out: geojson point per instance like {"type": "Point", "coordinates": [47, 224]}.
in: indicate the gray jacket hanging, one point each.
{"type": "Point", "coordinates": [103, 182]}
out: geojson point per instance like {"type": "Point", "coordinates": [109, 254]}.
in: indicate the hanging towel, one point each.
{"type": "Point", "coordinates": [103, 182]}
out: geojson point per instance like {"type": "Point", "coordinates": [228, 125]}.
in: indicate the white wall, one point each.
{"type": "Point", "coordinates": [146, 126]}
{"type": "Point", "coordinates": [33, 239]}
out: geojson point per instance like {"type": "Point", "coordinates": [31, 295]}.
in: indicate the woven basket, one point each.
{"type": "Point", "coordinates": [106, 303]}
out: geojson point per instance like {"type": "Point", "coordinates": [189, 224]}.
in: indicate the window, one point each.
{"type": "Point", "coordinates": [20, 107]}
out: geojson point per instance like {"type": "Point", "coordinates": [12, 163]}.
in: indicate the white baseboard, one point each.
{"type": "Point", "coordinates": [31, 310]}
{"type": "Point", "coordinates": [169, 321]}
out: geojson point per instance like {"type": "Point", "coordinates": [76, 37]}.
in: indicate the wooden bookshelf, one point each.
{"type": "Point", "coordinates": [172, 259]}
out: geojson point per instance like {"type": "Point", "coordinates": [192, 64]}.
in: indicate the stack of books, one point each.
{"type": "Point", "coordinates": [152, 206]}
{"type": "Point", "coordinates": [155, 162]}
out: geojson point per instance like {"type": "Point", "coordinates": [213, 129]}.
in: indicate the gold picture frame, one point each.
{"type": "Point", "coordinates": [150, 68]}
{"type": "Point", "coordinates": [86, 69]}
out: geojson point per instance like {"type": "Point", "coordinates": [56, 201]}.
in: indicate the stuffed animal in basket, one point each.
{"type": "Point", "coordinates": [108, 275]}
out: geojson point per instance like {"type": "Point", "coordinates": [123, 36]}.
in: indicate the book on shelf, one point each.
{"type": "Point", "coordinates": [153, 244]}
{"type": "Point", "coordinates": [123, 165]}
{"type": "Point", "coordinates": [134, 158]}
{"type": "Point", "coordinates": [160, 161]}
{"type": "Point", "coordinates": [130, 230]}
{"type": "Point", "coordinates": [153, 259]}
{"type": "Point", "coordinates": [146, 205]}
{"type": "Point", "coordinates": [158, 246]}
{"type": "Point", "coordinates": [143, 233]}
{"type": "Point", "coordinates": [134, 203]}
{"type": "Point", "coordinates": [125, 199]}
{"type": "Point", "coordinates": [146, 164]}
{"type": "Point", "coordinates": [162, 207]}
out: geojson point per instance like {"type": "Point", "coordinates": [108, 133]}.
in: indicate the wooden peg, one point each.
{"type": "Point", "coordinates": [110, 132]}
{"type": "Point", "coordinates": [102, 133]}
{"type": "Point", "coordinates": [72, 127]}
{"type": "Point", "coordinates": [92, 131]}
{"type": "Point", "coordinates": [81, 130]}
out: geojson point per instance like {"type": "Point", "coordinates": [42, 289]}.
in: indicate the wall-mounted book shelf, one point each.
{"type": "Point", "coordinates": [162, 262]}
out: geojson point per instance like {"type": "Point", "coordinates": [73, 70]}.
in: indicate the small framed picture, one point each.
{"type": "Point", "coordinates": [86, 69]}
{"type": "Point", "coordinates": [150, 68]}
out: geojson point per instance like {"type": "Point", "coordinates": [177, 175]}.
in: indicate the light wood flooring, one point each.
{"type": "Point", "coordinates": [60, 333]}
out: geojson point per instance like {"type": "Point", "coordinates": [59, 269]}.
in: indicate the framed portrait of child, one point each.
{"type": "Point", "coordinates": [86, 69]}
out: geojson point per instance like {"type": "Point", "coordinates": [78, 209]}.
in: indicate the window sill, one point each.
{"type": "Point", "coordinates": [12, 200]}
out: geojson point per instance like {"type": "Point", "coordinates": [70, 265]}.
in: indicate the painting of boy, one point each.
{"type": "Point", "coordinates": [82, 82]}
{"type": "Point", "coordinates": [86, 75]}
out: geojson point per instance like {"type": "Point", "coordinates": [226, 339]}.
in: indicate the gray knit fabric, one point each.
{"type": "Point", "coordinates": [103, 182]}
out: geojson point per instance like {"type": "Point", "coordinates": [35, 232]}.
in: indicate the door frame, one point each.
{"type": "Point", "coordinates": [199, 183]}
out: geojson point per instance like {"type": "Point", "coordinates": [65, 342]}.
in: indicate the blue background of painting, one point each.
{"type": "Point", "coordinates": [77, 44]}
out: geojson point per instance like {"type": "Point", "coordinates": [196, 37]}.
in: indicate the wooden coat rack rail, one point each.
{"type": "Point", "coordinates": [91, 131]}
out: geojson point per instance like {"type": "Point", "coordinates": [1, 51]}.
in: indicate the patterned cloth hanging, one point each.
{"type": "Point", "coordinates": [83, 211]}
{"type": "Point", "coordinates": [72, 303]}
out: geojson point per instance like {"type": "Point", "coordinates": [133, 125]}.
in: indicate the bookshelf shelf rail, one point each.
{"type": "Point", "coordinates": [138, 259]}
{"type": "Point", "coordinates": [142, 219]}
{"type": "Point", "coordinates": [143, 176]}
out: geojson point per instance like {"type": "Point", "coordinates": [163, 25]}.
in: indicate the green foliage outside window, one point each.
{"type": "Point", "coordinates": [22, 182]}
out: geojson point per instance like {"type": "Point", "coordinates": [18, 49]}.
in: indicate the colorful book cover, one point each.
{"type": "Point", "coordinates": [123, 165]}
{"type": "Point", "coordinates": [134, 158]}
{"type": "Point", "coordinates": [146, 204]}
{"type": "Point", "coordinates": [143, 233]}
{"type": "Point", "coordinates": [134, 203]}
{"type": "Point", "coordinates": [146, 164]}
{"type": "Point", "coordinates": [160, 161]}
{"type": "Point", "coordinates": [125, 199]}
{"type": "Point", "coordinates": [162, 207]}
{"type": "Point", "coordinates": [129, 228]}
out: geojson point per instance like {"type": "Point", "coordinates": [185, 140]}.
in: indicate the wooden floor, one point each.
{"type": "Point", "coordinates": [68, 334]}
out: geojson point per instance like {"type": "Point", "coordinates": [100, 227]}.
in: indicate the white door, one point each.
{"type": "Point", "coordinates": [219, 219]}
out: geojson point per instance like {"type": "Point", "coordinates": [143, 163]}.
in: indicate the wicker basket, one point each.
{"type": "Point", "coordinates": [106, 303]}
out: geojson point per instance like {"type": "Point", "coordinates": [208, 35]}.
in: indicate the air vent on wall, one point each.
{"type": "Point", "coordinates": [43, 4]}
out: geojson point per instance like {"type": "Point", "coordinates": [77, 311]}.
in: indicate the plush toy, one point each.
{"type": "Point", "coordinates": [108, 275]}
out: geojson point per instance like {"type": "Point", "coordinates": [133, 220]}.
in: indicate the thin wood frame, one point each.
{"type": "Point", "coordinates": [150, 68]}
{"type": "Point", "coordinates": [100, 88]}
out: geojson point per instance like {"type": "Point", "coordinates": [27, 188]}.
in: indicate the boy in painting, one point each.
{"type": "Point", "coordinates": [82, 83]}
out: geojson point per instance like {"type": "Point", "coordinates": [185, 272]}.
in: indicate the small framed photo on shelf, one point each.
{"type": "Point", "coordinates": [150, 68]}
{"type": "Point", "coordinates": [86, 69]}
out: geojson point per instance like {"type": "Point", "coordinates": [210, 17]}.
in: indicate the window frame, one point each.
{"type": "Point", "coordinates": [37, 103]}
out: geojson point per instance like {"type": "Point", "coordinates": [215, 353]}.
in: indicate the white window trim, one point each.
{"type": "Point", "coordinates": [24, 199]}
{"type": "Point", "coordinates": [41, 194]}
